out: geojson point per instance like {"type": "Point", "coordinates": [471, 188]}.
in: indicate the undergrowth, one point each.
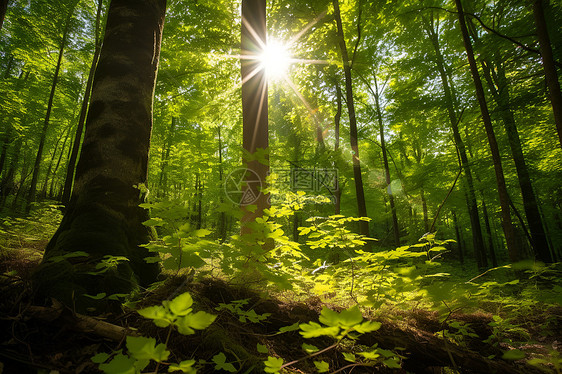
{"type": "Point", "coordinates": [513, 311]}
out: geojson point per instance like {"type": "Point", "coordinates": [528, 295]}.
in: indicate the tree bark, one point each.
{"type": "Point", "coordinates": [103, 217]}
{"type": "Point", "coordinates": [509, 232]}
{"type": "Point", "coordinates": [360, 194]}
{"type": "Point", "coordinates": [254, 111]}
{"type": "Point", "coordinates": [69, 180]}
{"type": "Point", "coordinates": [477, 239]}
{"type": "Point", "coordinates": [548, 64]}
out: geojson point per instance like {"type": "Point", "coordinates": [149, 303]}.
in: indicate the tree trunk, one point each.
{"type": "Point", "coordinates": [37, 165]}
{"type": "Point", "coordinates": [489, 233]}
{"type": "Point", "coordinates": [3, 8]}
{"type": "Point", "coordinates": [69, 180]}
{"type": "Point", "coordinates": [222, 216]}
{"type": "Point", "coordinates": [395, 228]}
{"type": "Point", "coordinates": [103, 217]}
{"type": "Point", "coordinates": [52, 187]}
{"type": "Point", "coordinates": [424, 208]}
{"type": "Point", "coordinates": [548, 65]}
{"type": "Point", "coordinates": [509, 232]}
{"type": "Point", "coordinates": [477, 239]}
{"type": "Point", "coordinates": [500, 93]}
{"type": "Point", "coordinates": [459, 238]}
{"type": "Point", "coordinates": [163, 181]}
{"type": "Point", "coordinates": [254, 111]}
{"type": "Point", "coordinates": [360, 194]}
{"type": "Point", "coordinates": [337, 118]}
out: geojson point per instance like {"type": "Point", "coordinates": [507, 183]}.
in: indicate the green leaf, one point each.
{"type": "Point", "coordinates": [392, 363]}
{"type": "Point", "coordinates": [273, 364]}
{"type": "Point", "coordinates": [154, 222]}
{"type": "Point", "coordinates": [293, 327]}
{"type": "Point", "coordinates": [158, 314]}
{"type": "Point", "coordinates": [367, 326]}
{"type": "Point", "coordinates": [371, 355]}
{"type": "Point", "coordinates": [313, 330]}
{"type": "Point", "coordinates": [100, 358]}
{"type": "Point", "coordinates": [514, 354]}
{"type": "Point", "coordinates": [184, 366]}
{"type": "Point", "coordinates": [348, 356]}
{"type": "Point", "coordinates": [181, 305]}
{"type": "Point", "coordinates": [309, 348]}
{"type": "Point", "coordinates": [120, 364]}
{"type": "Point", "coordinates": [198, 321]}
{"type": "Point", "coordinates": [345, 319]}
{"type": "Point", "coordinates": [201, 233]}
{"type": "Point", "coordinates": [221, 364]}
{"type": "Point", "coordinates": [322, 366]}
{"type": "Point", "coordinates": [262, 348]}
{"type": "Point", "coordinates": [146, 349]}
{"type": "Point", "coordinates": [97, 297]}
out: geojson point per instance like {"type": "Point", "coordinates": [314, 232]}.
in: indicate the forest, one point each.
{"type": "Point", "coordinates": [252, 186]}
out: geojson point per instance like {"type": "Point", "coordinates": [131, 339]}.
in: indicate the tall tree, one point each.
{"type": "Point", "coordinates": [358, 179]}
{"type": "Point", "coordinates": [477, 238]}
{"type": "Point", "coordinates": [83, 111]}
{"type": "Point", "coordinates": [548, 63]}
{"type": "Point", "coordinates": [499, 87]}
{"type": "Point", "coordinates": [103, 217]}
{"type": "Point", "coordinates": [254, 108]}
{"type": "Point", "coordinates": [508, 229]}
{"type": "Point", "coordinates": [43, 136]}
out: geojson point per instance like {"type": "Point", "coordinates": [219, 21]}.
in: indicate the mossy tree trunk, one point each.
{"type": "Point", "coordinates": [103, 217]}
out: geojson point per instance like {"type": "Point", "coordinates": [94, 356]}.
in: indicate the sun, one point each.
{"type": "Point", "coordinates": [275, 59]}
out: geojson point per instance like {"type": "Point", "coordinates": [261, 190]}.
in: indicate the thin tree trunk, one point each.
{"type": "Point", "coordinates": [255, 137]}
{"type": "Point", "coordinates": [52, 187]}
{"type": "Point", "coordinates": [71, 167]}
{"type": "Point", "coordinates": [424, 207]}
{"type": "Point", "coordinates": [477, 239]}
{"type": "Point", "coordinates": [459, 238]}
{"type": "Point", "coordinates": [103, 217]}
{"type": "Point", "coordinates": [502, 97]}
{"type": "Point", "coordinates": [37, 165]}
{"type": "Point", "coordinates": [548, 64]}
{"type": "Point", "coordinates": [222, 216]}
{"type": "Point", "coordinates": [360, 194]}
{"type": "Point", "coordinates": [395, 228]}
{"type": "Point", "coordinates": [509, 232]}
{"type": "Point", "coordinates": [337, 118]}
{"type": "Point", "coordinates": [489, 233]}
{"type": "Point", "coordinates": [43, 192]}
{"type": "Point", "coordinates": [163, 181]}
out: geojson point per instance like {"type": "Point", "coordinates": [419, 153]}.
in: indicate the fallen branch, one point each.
{"type": "Point", "coordinates": [78, 322]}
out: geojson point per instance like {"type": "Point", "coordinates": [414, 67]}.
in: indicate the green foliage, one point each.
{"type": "Point", "coordinates": [179, 313]}
{"type": "Point", "coordinates": [221, 364]}
{"type": "Point", "coordinates": [182, 246]}
{"type": "Point", "coordinates": [235, 307]}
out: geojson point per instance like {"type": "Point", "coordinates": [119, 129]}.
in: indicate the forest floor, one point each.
{"type": "Point", "coordinates": [54, 339]}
